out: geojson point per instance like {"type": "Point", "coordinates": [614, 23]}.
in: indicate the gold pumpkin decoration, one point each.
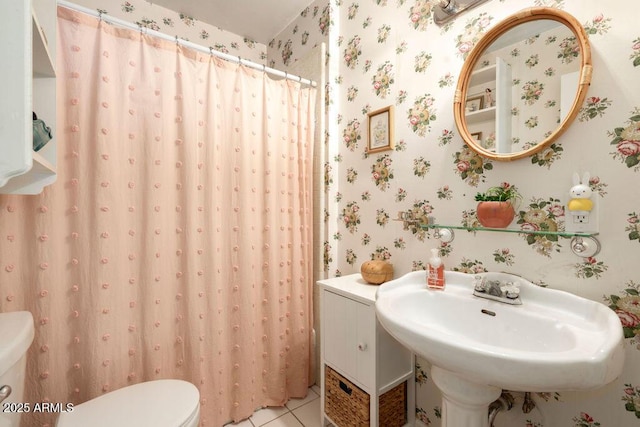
{"type": "Point", "coordinates": [376, 272]}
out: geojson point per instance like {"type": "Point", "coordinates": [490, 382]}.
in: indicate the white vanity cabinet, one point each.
{"type": "Point", "coordinates": [357, 351]}
{"type": "Point", "coordinates": [28, 32]}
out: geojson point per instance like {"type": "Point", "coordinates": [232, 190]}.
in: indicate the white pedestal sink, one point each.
{"type": "Point", "coordinates": [554, 341]}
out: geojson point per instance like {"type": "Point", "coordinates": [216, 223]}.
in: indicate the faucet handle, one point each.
{"type": "Point", "coordinates": [511, 290]}
{"type": "Point", "coordinates": [478, 284]}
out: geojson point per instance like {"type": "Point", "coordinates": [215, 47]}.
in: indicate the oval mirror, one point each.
{"type": "Point", "coordinates": [523, 84]}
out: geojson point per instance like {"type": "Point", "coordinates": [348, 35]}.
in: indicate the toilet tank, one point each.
{"type": "Point", "coordinates": [16, 335]}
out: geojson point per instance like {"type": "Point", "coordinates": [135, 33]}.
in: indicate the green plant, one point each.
{"type": "Point", "coordinates": [502, 193]}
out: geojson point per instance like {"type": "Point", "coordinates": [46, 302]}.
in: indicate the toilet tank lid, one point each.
{"type": "Point", "coordinates": [159, 403]}
{"type": "Point", "coordinates": [16, 335]}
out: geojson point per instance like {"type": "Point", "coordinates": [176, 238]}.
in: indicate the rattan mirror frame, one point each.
{"type": "Point", "coordinates": [526, 15]}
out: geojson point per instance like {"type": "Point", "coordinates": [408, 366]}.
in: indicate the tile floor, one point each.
{"type": "Point", "coordinates": [296, 413]}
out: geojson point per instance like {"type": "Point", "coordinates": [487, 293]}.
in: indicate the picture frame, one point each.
{"type": "Point", "coordinates": [380, 130]}
{"type": "Point", "coordinates": [477, 136]}
{"type": "Point", "coordinates": [474, 103]}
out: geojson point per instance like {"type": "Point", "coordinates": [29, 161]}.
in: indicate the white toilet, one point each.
{"type": "Point", "coordinates": [16, 335]}
{"type": "Point", "coordinates": [160, 403]}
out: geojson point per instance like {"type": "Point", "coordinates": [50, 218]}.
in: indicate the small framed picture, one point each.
{"type": "Point", "coordinates": [380, 136]}
{"type": "Point", "coordinates": [477, 136]}
{"type": "Point", "coordinates": [474, 103]}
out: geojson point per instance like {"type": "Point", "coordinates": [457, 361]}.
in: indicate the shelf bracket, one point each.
{"type": "Point", "coordinates": [445, 235]}
{"type": "Point", "coordinates": [586, 247]}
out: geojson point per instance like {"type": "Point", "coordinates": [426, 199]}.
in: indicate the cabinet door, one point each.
{"type": "Point", "coordinates": [365, 345]}
{"type": "Point", "coordinates": [349, 337]}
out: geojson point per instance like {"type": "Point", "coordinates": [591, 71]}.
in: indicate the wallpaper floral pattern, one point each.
{"type": "Point", "coordinates": [174, 23]}
{"type": "Point", "coordinates": [307, 31]}
{"type": "Point", "coordinates": [390, 52]}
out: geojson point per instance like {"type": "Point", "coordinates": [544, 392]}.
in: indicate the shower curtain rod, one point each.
{"type": "Point", "coordinates": [194, 46]}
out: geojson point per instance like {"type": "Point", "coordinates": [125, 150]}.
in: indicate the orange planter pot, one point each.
{"type": "Point", "coordinates": [495, 214]}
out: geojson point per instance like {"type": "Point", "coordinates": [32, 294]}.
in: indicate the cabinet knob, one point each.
{"type": "Point", "coordinates": [362, 347]}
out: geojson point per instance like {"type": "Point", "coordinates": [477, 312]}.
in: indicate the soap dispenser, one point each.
{"type": "Point", "coordinates": [435, 271]}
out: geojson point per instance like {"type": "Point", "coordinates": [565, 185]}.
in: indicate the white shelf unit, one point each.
{"type": "Point", "coordinates": [356, 346]}
{"type": "Point", "coordinates": [497, 118]}
{"type": "Point", "coordinates": [479, 116]}
{"type": "Point", "coordinates": [482, 76]}
{"type": "Point", "coordinates": [30, 31]}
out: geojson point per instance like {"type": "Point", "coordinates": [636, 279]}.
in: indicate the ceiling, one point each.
{"type": "Point", "coordinates": [258, 20]}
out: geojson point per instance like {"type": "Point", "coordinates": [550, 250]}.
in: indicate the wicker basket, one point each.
{"type": "Point", "coordinates": [344, 403]}
{"type": "Point", "coordinates": [392, 409]}
{"type": "Point", "coordinates": [348, 406]}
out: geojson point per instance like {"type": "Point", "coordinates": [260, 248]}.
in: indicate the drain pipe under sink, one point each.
{"type": "Point", "coordinates": [503, 403]}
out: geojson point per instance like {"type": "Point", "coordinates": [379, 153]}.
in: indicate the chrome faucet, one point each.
{"type": "Point", "coordinates": [506, 292]}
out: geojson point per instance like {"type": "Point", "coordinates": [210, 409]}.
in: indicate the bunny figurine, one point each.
{"type": "Point", "coordinates": [580, 204]}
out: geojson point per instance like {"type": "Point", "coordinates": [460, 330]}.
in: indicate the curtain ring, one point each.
{"type": "Point", "coordinates": [239, 60]}
{"type": "Point", "coordinates": [177, 43]}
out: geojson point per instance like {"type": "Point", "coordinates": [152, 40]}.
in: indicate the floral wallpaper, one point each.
{"type": "Point", "coordinates": [149, 15]}
{"type": "Point", "coordinates": [307, 31]}
{"type": "Point", "coordinates": [390, 52]}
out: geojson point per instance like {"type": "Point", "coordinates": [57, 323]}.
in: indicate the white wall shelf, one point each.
{"type": "Point", "coordinates": [478, 116]}
{"type": "Point", "coordinates": [32, 29]}
{"type": "Point", "coordinates": [494, 119]}
{"type": "Point", "coordinates": [483, 76]}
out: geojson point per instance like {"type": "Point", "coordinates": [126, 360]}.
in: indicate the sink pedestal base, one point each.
{"type": "Point", "coordinates": [464, 403]}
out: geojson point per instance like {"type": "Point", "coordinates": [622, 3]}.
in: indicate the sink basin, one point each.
{"type": "Point", "coordinates": [554, 341]}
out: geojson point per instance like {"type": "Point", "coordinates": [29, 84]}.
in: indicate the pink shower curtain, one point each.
{"type": "Point", "coordinates": [177, 240]}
